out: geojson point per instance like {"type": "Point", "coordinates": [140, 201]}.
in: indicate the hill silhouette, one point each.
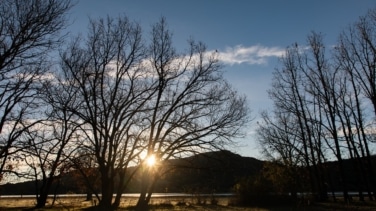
{"type": "Point", "coordinates": [207, 172]}
{"type": "Point", "coordinates": [212, 172]}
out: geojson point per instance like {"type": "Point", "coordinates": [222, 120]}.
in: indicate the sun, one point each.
{"type": "Point", "coordinates": [150, 160]}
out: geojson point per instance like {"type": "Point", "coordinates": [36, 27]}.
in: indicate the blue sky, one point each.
{"type": "Point", "coordinates": [249, 34]}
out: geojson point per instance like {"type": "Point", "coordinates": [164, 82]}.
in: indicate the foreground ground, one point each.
{"type": "Point", "coordinates": [178, 204]}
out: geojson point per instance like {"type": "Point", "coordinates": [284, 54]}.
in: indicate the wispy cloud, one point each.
{"type": "Point", "coordinates": [256, 54]}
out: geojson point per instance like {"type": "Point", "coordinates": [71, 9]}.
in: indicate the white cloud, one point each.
{"type": "Point", "coordinates": [256, 54]}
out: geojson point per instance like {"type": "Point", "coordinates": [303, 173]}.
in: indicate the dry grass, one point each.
{"type": "Point", "coordinates": [79, 203]}
{"type": "Point", "coordinates": [174, 203]}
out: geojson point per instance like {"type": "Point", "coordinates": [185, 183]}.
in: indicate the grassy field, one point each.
{"type": "Point", "coordinates": [176, 203]}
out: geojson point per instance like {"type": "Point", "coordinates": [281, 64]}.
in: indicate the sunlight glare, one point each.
{"type": "Point", "coordinates": [150, 161]}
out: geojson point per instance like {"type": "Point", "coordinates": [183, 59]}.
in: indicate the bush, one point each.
{"type": "Point", "coordinates": [257, 191]}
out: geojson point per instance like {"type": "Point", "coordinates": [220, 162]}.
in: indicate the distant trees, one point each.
{"type": "Point", "coordinates": [320, 109]}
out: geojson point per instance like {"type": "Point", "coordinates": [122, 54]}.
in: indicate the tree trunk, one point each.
{"type": "Point", "coordinates": [142, 204]}
{"type": "Point", "coordinates": [106, 200]}
{"type": "Point", "coordinates": [41, 201]}
{"type": "Point", "coordinates": [143, 201]}
{"type": "Point", "coordinates": [146, 192]}
{"type": "Point", "coordinates": [42, 198]}
{"type": "Point", "coordinates": [120, 188]}
{"type": "Point", "coordinates": [89, 195]}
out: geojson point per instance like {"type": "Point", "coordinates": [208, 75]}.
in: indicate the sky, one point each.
{"type": "Point", "coordinates": [250, 35]}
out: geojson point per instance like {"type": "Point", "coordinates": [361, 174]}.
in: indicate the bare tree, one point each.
{"type": "Point", "coordinates": [355, 54]}
{"type": "Point", "coordinates": [106, 70]}
{"type": "Point", "coordinates": [328, 99]}
{"type": "Point", "coordinates": [324, 98]}
{"type": "Point", "coordinates": [193, 110]}
{"type": "Point", "coordinates": [278, 139]}
{"type": "Point", "coordinates": [28, 30]}
{"type": "Point", "coordinates": [309, 90]}
{"type": "Point", "coordinates": [46, 154]}
{"type": "Point", "coordinates": [281, 144]}
{"type": "Point", "coordinates": [55, 146]}
{"type": "Point", "coordinates": [293, 102]}
{"type": "Point", "coordinates": [86, 173]}
{"type": "Point", "coordinates": [137, 101]}
{"type": "Point", "coordinates": [48, 143]}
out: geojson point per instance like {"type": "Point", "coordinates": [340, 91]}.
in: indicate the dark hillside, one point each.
{"type": "Point", "coordinates": [207, 172]}
{"type": "Point", "coordinates": [203, 173]}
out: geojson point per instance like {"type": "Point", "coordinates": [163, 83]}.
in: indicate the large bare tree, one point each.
{"type": "Point", "coordinates": [193, 109]}
{"type": "Point", "coordinates": [139, 100]}
{"type": "Point", "coordinates": [28, 30]}
{"type": "Point", "coordinates": [112, 88]}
